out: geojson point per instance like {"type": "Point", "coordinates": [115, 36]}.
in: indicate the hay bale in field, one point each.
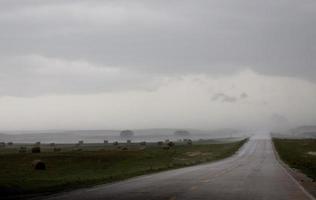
{"type": "Point", "coordinates": [171, 144]}
{"type": "Point", "coordinates": [22, 150]}
{"type": "Point", "coordinates": [57, 149]}
{"type": "Point", "coordinates": [38, 165]}
{"type": "Point", "coordinates": [36, 149]}
{"type": "Point", "coordinates": [166, 147]}
{"type": "Point", "coordinates": [124, 148]}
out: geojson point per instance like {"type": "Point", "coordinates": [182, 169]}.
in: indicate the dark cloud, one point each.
{"type": "Point", "coordinates": [224, 98]}
{"type": "Point", "coordinates": [160, 38]}
{"type": "Point", "coordinates": [243, 95]}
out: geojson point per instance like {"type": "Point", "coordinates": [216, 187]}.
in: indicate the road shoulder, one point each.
{"type": "Point", "coordinates": [305, 183]}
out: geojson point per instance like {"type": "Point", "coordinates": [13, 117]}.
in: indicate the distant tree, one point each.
{"type": "Point", "coordinates": [160, 143]}
{"type": "Point", "coordinates": [143, 143]}
{"type": "Point", "coordinates": [126, 134]}
{"type": "Point", "coordinates": [105, 142]}
{"type": "Point", "coordinates": [115, 143]}
{"type": "Point", "coordinates": [10, 143]}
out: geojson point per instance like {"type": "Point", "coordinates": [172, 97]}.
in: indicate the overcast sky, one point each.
{"type": "Point", "coordinates": [74, 64]}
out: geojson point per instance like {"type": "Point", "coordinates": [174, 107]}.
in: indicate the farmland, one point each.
{"type": "Point", "coordinates": [74, 166]}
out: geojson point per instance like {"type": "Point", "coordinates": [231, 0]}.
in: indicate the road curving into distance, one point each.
{"type": "Point", "coordinates": [252, 173]}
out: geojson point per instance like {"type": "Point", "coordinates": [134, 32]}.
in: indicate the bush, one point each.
{"type": "Point", "coordinates": [160, 143]}
{"type": "Point", "coordinates": [36, 149]}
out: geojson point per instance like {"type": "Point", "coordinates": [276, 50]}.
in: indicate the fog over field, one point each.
{"type": "Point", "coordinates": [148, 64]}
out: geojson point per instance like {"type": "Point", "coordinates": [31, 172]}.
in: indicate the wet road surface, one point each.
{"type": "Point", "coordinates": [252, 173]}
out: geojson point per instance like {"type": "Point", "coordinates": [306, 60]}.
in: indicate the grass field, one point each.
{"type": "Point", "coordinates": [85, 165]}
{"type": "Point", "coordinates": [299, 154]}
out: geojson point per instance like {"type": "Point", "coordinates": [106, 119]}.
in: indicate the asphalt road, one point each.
{"type": "Point", "coordinates": [252, 173]}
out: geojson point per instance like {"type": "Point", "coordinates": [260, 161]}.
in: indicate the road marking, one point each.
{"type": "Point", "coordinates": [205, 181]}
{"type": "Point", "coordinates": [193, 188]}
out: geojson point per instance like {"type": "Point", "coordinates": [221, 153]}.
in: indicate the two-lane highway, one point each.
{"type": "Point", "coordinates": [252, 173]}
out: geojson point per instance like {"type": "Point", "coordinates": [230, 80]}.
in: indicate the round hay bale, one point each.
{"type": "Point", "coordinates": [124, 148]}
{"type": "Point", "coordinates": [166, 147]}
{"type": "Point", "coordinates": [170, 144]}
{"type": "Point", "coordinates": [38, 165]}
{"type": "Point", "coordinates": [57, 149]}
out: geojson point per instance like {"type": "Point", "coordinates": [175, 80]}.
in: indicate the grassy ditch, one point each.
{"type": "Point", "coordinates": [299, 154]}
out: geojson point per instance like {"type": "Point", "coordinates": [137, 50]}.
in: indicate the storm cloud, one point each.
{"type": "Point", "coordinates": [122, 50]}
{"type": "Point", "coordinates": [159, 37]}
